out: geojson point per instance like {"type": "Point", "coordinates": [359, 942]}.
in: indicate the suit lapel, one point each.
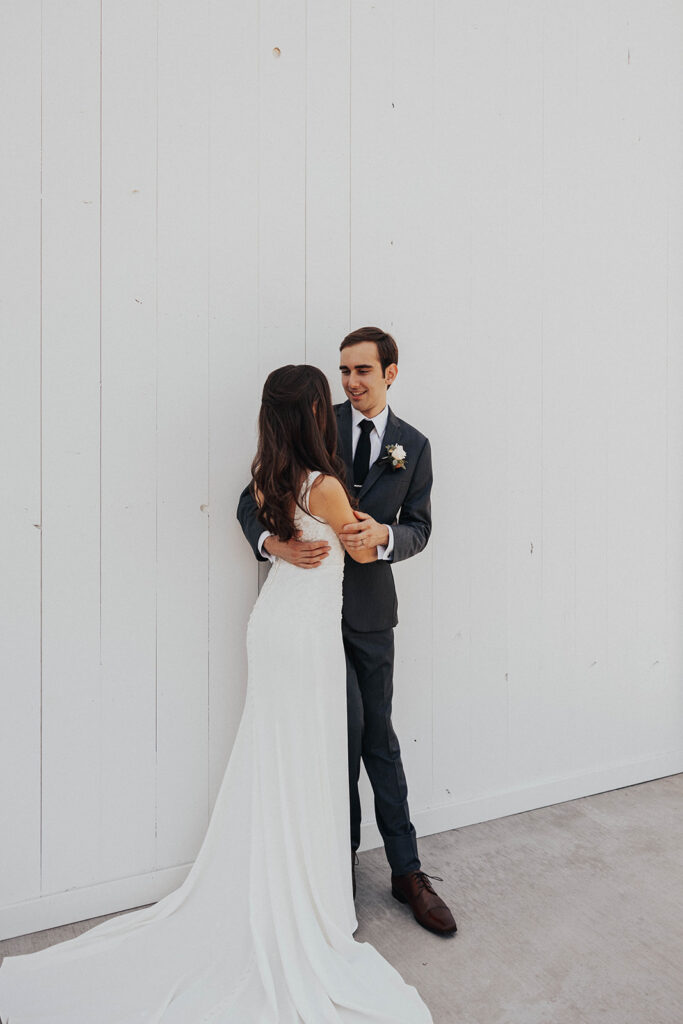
{"type": "Point", "coordinates": [392, 435]}
{"type": "Point", "coordinates": [344, 426]}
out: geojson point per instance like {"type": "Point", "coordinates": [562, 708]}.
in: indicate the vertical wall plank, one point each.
{"type": "Point", "coordinates": [524, 404]}
{"type": "Point", "coordinates": [282, 185]}
{"type": "Point", "coordinates": [281, 60]}
{"type": "Point", "coordinates": [450, 359]}
{"type": "Point", "coordinates": [673, 197]}
{"type": "Point", "coordinates": [596, 221]}
{"type": "Point", "coordinates": [20, 165]}
{"type": "Point", "coordinates": [476, 490]}
{"type": "Point", "coordinates": [639, 688]}
{"type": "Point", "coordinates": [374, 182]}
{"type": "Point", "coordinates": [557, 697]}
{"type": "Point", "coordinates": [482, 693]}
{"type": "Point", "coordinates": [409, 251]}
{"type": "Point", "coordinates": [234, 377]}
{"type": "Point", "coordinates": [327, 186]}
{"type": "Point", "coordinates": [392, 133]}
{"type": "Point", "coordinates": [182, 431]}
{"type": "Point", "coordinates": [372, 190]}
{"type": "Point", "coordinates": [72, 698]}
{"type": "Point", "coordinates": [128, 557]}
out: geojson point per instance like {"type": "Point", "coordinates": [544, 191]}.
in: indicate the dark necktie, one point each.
{"type": "Point", "coordinates": [361, 460]}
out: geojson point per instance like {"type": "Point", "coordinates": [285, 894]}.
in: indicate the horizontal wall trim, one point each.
{"type": "Point", "coordinates": [57, 909]}
{"type": "Point", "coordinates": [80, 904]}
{"type": "Point", "coordinates": [528, 798]}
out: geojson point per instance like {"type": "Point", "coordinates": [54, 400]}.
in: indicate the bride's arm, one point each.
{"type": "Point", "coordinates": [328, 501]}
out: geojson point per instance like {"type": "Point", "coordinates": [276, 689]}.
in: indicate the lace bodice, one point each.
{"type": "Point", "coordinates": [313, 528]}
{"type": "Point", "coordinates": [312, 595]}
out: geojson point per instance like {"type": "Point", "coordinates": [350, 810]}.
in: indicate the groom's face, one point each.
{"type": "Point", "coordinates": [362, 378]}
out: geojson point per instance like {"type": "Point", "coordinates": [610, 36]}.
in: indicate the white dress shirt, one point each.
{"type": "Point", "coordinates": [376, 437]}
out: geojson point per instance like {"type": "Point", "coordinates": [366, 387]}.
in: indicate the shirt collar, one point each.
{"type": "Point", "coordinates": [380, 420]}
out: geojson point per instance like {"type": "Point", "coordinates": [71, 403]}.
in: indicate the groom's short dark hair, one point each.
{"type": "Point", "coordinates": [387, 349]}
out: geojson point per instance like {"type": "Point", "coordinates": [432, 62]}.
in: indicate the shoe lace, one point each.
{"type": "Point", "coordinates": [423, 883]}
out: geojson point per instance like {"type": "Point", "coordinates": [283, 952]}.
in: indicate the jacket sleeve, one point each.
{"type": "Point", "coordinates": [251, 527]}
{"type": "Point", "coordinates": [414, 525]}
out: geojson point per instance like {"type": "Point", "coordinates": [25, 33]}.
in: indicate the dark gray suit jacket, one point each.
{"type": "Point", "coordinates": [398, 497]}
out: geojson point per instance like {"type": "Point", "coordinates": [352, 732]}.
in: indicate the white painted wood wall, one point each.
{"type": "Point", "coordinates": [500, 186]}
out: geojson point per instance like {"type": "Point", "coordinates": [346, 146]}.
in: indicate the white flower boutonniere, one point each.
{"type": "Point", "coordinates": [397, 454]}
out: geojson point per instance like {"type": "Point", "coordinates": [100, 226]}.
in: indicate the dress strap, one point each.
{"type": "Point", "coordinates": [308, 483]}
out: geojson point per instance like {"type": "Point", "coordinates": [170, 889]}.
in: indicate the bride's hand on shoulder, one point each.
{"type": "Point", "coordinates": [328, 500]}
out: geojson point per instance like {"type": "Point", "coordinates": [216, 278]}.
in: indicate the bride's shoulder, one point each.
{"type": "Point", "coordinates": [325, 483]}
{"type": "Point", "coordinates": [325, 489]}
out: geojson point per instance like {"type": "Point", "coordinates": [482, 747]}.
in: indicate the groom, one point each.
{"type": "Point", "coordinates": [388, 467]}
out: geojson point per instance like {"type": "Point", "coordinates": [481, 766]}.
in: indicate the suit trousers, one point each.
{"type": "Point", "coordinates": [371, 736]}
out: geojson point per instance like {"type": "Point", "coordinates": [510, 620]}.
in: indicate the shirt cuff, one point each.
{"type": "Point", "coordinates": [385, 551]}
{"type": "Point", "coordinates": [262, 551]}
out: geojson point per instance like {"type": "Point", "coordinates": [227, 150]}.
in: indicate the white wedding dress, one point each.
{"type": "Point", "coordinates": [261, 930]}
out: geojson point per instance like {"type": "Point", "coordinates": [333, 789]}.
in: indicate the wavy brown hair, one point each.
{"type": "Point", "coordinates": [293, 439]}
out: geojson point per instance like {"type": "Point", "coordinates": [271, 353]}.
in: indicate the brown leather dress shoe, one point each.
{"type": "Point", "coordinates": [428, 908]}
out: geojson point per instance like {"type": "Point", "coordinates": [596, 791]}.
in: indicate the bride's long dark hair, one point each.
{"type": "Point", "coordinates": [293, 439]}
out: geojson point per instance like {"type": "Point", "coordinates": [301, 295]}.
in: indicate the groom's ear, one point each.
{"type": "Point", "coordinates": [390, 374]}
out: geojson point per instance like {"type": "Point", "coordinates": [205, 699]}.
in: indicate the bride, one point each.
{"type": "Point", "coordinates": [261, 930]}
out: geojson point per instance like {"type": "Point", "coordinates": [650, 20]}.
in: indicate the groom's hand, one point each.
{"type": "Point", "coordinates": [366, 533]}
{"type": "Point", "coordinates": [306, 554]}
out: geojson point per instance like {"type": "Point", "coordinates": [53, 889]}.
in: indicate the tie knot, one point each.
{"type": "Point", "coordinates": [366, 426]}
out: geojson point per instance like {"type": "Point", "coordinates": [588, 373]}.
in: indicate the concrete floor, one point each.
{"type": "Point", "coordinates": [570, 914]}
